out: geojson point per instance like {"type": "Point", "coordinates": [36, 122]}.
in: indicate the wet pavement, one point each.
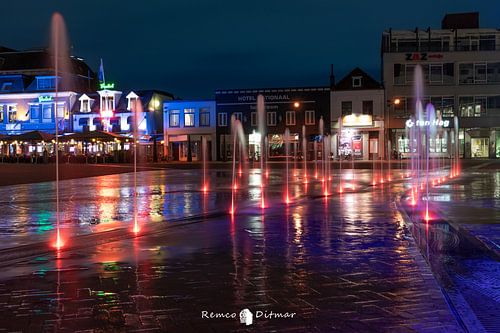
{"type": "Point", "coordinates": [347, 263]}
{"type": "Point", "coordinates": [462, 245]}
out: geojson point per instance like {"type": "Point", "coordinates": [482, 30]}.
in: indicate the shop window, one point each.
{"type": "Point", "coordinates": [346, 108]}
{"type": "Point", "coordinates": [174, 118]}
{"type": "Point", "coordinates": [310, 117]}
{"type": "Point", "coordinates": [290, 118]}
{"type": "Point", "coordinates": [479, 147]}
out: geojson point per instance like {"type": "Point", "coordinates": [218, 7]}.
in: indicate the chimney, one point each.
{"type": "Point", "coordinates": [332, 78]}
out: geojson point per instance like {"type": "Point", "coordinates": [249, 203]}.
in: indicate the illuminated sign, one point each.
{"type": "Point", "coordinates": [42, 99]}
{"type": "Point", "coordinates": [357, 120]}
{"type": "Point", "coordinates": [428, 123]}
{"type": "Point", "coordinates": [422, 56]}
{"type": "Point", "coordinates": [107, 86]}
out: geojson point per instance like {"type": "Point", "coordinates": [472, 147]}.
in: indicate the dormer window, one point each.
{"type": "Point", "coordinates": [356, 81]}
{"type": "Point", "coordinates": [132, 98]}
{"type": "Point", "coordinates": [85, 103]}
{"type": "Point", "coordinates": [45, 83]}
{"type": "Point", "coordinates": [107, 103]}
{"type": "Point", "coordinates": [7, 86]}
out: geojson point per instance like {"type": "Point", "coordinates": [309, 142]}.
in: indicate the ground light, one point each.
{"type": "Point", "coordinates": [59, 243]}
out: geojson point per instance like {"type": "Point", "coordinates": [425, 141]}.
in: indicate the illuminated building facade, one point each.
{"type": "Point", "coordinates": [284, 108]}
{"type": "Point", "coordinates": [357, 113]}
{"type": "Point", "coordinates": [185, 124]}
{"type": "Point", "coordinates": [461, 73]}
{"type": "Point", "coordinates": [27, 91]}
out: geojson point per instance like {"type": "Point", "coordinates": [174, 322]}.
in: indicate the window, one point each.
{"type": "Point", "coordinates": [487, 42]}
{"type": "Point", "coordinates": [480, 73]}
{"type": "Point", "coordinates": [466, 73]}
{"type": "Point", "coordinates": [310, 117]}
{"type": "Point", "coordinates": [290, 118]}
{"type": "Point", "coordinates": [173, 118]}
{"type": "Point", "coordinates": [131, 103]}
{"type": "Point", "coordinates": [399, 74]}
{"type": "Point", "coordinates": [34, 113]}
{"type": "Point", "coordinates": [472, 106]}
{"type": "Point", "coordinates": [111, 103]}
{"type": "Point", "coordinates": [45, 83]}
{"type": "Point", "coordinates": [6, 86]}
{"type": "Point", "coordinates": [1, 113]}
{"type": "Point", "coordinates": [238, 116]}
{"type": "Point", "coordinates": [356, 81]}
{"type": "Point", "coordinates": [83, 121]}
{"type": "Point", "coordinates": [204, 117]}
{"type": "Point", "coordinates": [271, 118]}
{"type": "Point", "coordinates": [346, 108]}
{"type": "Point", "coordinates": [410, 73]}
{"type": "Point", "coordinates": [47, 113]}
{"type": "Point", "coordinates": [368, 107]}
{"type": "Point", "coordinates": [436, 73]}
{"type": "Point", "coordinates": [60, 111]}
{"type": "Point", "coordinates": [85, 105]}
{"type": "Point", "coordinates": [222, 119]}
{"type": "Point", "coordinates": [448, 73]}
{"type": "Point", "coordinates": [189, 117]}
{"type": "Point", "coordinates": [253, 118]}
{"type": "Point", "coordinates": [12, 113]}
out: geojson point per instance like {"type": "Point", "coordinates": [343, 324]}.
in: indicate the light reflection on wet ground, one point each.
{"type": "Point", "coordinates": [345, 263]}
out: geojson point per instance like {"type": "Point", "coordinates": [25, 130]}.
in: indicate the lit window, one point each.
{"type": "Point", "coordinates": [47, 113]}
{"type": "Point", "coordinates": [290, 118]}
{"type": "Point", "coordinates": [222, 119]}
{"type": "Point", "coordinates": [131, 103]}
{"type": "Point", "coordinates": [85, 105]}
{"type": "Point", "coordinates": [271, 119]}
{"type": "Point", "coordinates": [34, 113]}
{"type": "Point", "coordinates": [310, 117]}
{"type": "Point", "coordinates": [173, 120]}
{"type": "Point", "coordinates": [1, 113]}
{"type": "Point", "coordinates": [188, 117]}
{"type": "Point", "coordinates": [45, 83]}
{"type": "Point", "coordinates": [12, 113]}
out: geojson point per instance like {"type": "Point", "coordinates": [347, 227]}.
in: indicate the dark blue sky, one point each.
{"type": "Point", "coordinates": [192, 47]}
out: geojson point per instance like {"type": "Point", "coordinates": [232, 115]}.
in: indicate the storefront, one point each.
{"type": "Point", "coordinates": [479, 143]}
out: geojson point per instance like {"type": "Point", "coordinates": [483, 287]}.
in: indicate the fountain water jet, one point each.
{"type": "Point", "coordinates": [287, 152]}
{"type": "Point", "coordinates": [261, 121]}
{"type": "Point", "coordinates": [59, 50]}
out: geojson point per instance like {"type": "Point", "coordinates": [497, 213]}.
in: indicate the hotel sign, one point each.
{"type": "Point", "coordinates": [42, 99]}
{"type": "Point", "coordinates": [267, 98]}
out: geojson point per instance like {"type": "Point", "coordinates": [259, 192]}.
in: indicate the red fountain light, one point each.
{"type": "Point", "coordinates": [59, 243]}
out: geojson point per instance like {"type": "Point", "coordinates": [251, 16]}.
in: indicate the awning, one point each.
{"type": "Point", "coordinates": [93, 135]}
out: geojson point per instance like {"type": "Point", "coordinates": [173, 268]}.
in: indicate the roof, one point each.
{"type": "Point", "coordinates": [367, 82]}
{"type": "Point", "coordinates": [122, 104]}
{"type": "Point", "coordinates": [32, 136]}
{"type": "Point", "coordinates": [269, 90]}
{"type": "Point", "coordinates": [98, 135]}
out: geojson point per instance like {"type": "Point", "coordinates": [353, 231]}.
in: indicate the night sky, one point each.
{"type": "Point", "coordinates": [190, 48]}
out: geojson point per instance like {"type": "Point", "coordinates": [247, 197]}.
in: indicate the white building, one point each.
{"type": "Point", "coordinates": [357, 106]}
